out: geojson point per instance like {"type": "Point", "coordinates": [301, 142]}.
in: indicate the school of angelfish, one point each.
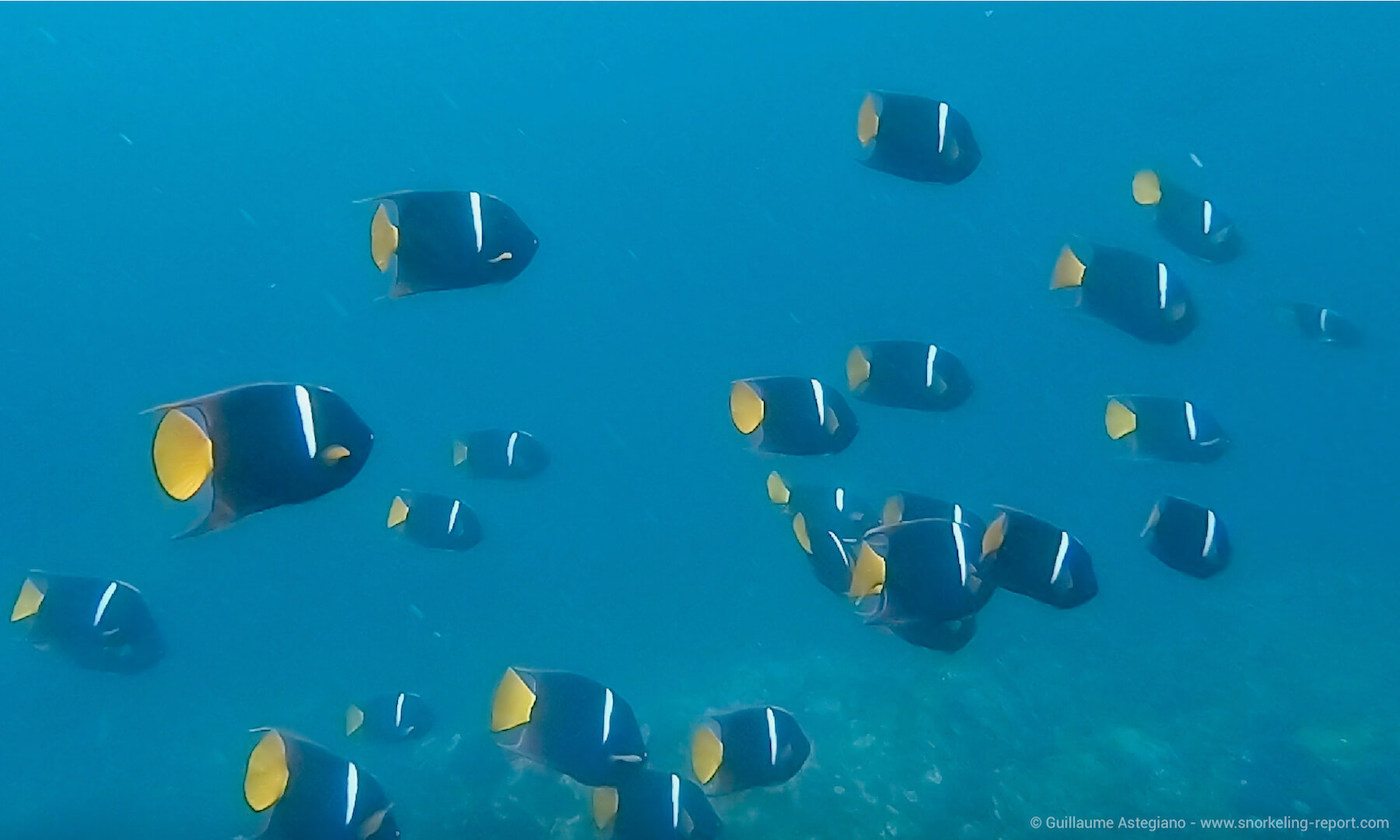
{"type": "Point", "coordinates": [918, 565]}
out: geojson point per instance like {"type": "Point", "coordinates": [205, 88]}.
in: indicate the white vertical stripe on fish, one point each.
{"type": "Point", "coordinates": [102, 605]}
{"type": "Point", "coordinates": [452, 517]}
{"type": "Point", "coordinates": [942, 124]}
{"type": "Point", "coordinates": [962, 552]}
{"type": "Point", "coordinates": [772, 737]}
{"type": "Point", "coordinates": [352, 791]}
{"type": "Point", "coordinates": [607, 713]}
{"type": "Point", "coordinates": [675, 801]}
{"type": "Point", "coordinates": [1161, 285]}
{"type": "Point", "coordinates": [928, 366]}
{"type": "Point", "coordinates": [308, 423]}
{"type": "Point", "coordinates": [510, 448]}
{"type": "Point", "coordinates": [476, 218]}
{"type": "Point", "coordinates": [1191, 421]}
{"type": "Point", "coordinates": [1060, 556]}
{"type": "Point", "coordinates": [1210, 533]}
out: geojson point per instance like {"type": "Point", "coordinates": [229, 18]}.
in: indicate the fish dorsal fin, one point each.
{"type": "Point", "coordinates": [745, 408]}
{"type": "Point", "coordinates": [183, 455]}
{"type": "Point", "coordinates": [604, 806]}
{"type": "Point", "coordinates": [1069, 270]}
{"type": "Point", "coordinates": [383, 238]}
{"type": "Point", "coordinates": [354, 719]}
{"type": "Point", "coordinates": [1147, 187]}
{"type": "Point", "coordinates": [31, 597]}
{"type": "Point", "coordinates": [513, 704]}
{"type": "Point", "coordinates": [706, 754]}
{"type": "Point", "coordinates": [857, 369]}
{"type": "Point", "coordinates": [267, 776]}
{"type": "Point", "coordinates": [868, 120]}
{"type": "Point", "coordinates": [398, 512]}
{"type": "Point", "coordinates": [1119, 420]}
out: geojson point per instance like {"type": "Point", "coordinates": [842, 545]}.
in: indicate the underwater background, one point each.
{"type": "Point", "coordinates": [180, 184]}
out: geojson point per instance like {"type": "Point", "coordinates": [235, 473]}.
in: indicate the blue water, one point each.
{"type": "Point", "coordinates": [180, 187]}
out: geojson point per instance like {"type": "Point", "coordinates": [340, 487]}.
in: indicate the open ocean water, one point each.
{"type": "Point", "coordinates": [180, 186]}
